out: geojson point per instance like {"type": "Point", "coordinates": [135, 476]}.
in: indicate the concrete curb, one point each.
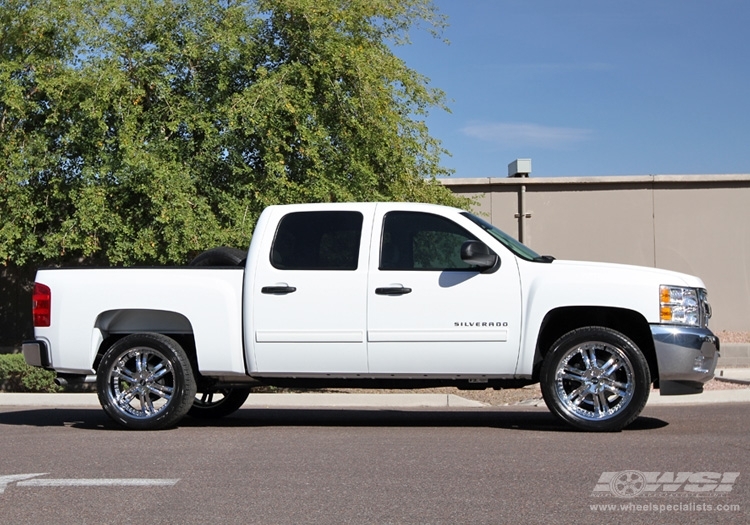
{"type": "Point", "coordinates": [8, 399]}
{"type": "Point", "coordinates": [740, 376]}
{"type": "Point", "coordinates": [734, 355]}
{"type": "Point", "coordinates": [281, 400]}
{"type": "Point", "coordinates": [709, 397]}
{"type": "Point", "coordinates": [313, 400]}
{"type": "Point", "coordinates": [734, 381]}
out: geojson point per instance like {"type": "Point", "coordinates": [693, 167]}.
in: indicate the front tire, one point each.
{"type": "Point", "coordinates": [595, 379]}
{"type": "Point", "coordinates": [145, 382]}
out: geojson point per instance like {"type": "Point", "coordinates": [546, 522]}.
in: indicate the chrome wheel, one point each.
{"type": "Point", "coordinates": [141, 383]}
{"type": "Point", "coordinates": [595, 378]}
{"type": "Point", "coordinates": [594, 381]}
{"type": "Point", "coordinates": [145, 381]}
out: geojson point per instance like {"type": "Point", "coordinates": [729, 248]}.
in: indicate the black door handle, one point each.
{"type": "Point", "coordinates": [396, 290]}
{"type": "Point", "coordinates": [278, 290]}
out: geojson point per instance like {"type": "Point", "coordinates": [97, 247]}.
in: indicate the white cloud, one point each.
{"type": "Point", "coordinates": [520, 134]}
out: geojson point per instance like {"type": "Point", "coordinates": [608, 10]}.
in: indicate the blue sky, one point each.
{"type": "Point", "coordinates": [591, 87]}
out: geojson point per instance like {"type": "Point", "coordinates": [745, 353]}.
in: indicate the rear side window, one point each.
{"type": "Point", "coordinates": [317, 240]}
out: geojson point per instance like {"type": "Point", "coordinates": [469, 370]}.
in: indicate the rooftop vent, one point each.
{"type": "Point", "coordinates": [519, 168]}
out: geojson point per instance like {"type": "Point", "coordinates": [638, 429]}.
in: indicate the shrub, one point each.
{"type": "Point", "coordinates": [17, 376]}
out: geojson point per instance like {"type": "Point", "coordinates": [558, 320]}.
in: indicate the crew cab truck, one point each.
{"type": "Point", "coordinates": [375, 295]}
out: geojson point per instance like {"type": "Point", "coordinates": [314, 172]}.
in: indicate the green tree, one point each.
{"type": "Point", "coordinates": [36, 47]}
{"type": "Point", "coordinates": [146, 131]}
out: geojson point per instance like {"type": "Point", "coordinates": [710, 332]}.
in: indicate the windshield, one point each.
{"type": "Point", "coordinates": [506, 240]}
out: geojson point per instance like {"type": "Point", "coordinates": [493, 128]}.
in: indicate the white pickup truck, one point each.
{"type": "Point", "coordinates": [374, 295]}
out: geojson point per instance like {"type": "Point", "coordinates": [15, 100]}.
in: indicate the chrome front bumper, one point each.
{"type": "Point", "coordinates": [686, 358]}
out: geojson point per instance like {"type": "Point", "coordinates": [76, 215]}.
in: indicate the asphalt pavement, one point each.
{"type": "Point", "coordinates": [739, 376]}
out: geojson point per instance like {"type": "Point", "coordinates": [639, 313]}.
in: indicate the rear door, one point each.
{"type": "Point", "coordinates": [429, 313]}
{"type": "Point", "coordinates": [309, 292]}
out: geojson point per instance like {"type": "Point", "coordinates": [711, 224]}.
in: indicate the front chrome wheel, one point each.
{"type": "Point", "coordinates": [595, 378]}
{"type": "Point", "coordinates": [594, 381]}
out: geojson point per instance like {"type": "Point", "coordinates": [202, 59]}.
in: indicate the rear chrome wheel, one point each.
{"type": "Point", "coordinates": [145, 382]}
{"type": "Point", "coordinates": [595, 378]}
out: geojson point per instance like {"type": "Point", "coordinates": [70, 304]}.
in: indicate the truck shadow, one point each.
{"type": "Point", "coordinates": [501, 418]}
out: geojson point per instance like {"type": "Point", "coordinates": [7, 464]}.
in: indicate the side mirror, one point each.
{"type": "Point", "coordinates": [479, 254]}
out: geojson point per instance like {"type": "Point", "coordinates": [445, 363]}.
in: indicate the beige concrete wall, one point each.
{"type": "Point", "coordinates": [698, 224]}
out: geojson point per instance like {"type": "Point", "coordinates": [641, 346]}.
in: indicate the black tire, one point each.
{"type": "Point", "coordinates": [217, 403]}
{"type": "Point", "coordinates": [221, 256]}
{"type": "Point", "coordinates": [145, 382]}
{"type": "Point", "coordinates": [595, 379]}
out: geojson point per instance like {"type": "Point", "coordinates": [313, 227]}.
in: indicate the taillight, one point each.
{"type": "Point", "coordinates": [41, 304]}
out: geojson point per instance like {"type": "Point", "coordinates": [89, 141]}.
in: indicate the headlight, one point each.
{"type": "Point", "coordinates": [679, 305]}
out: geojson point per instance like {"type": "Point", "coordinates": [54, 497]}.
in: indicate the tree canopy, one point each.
{"type": "Point", "coordinates": [148, 130]}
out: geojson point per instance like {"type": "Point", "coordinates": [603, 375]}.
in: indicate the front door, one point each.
{"type": "Point", "coordinates": [429, 312]}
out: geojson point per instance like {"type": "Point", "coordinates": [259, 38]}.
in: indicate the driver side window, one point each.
{"type": "Point", "coordinates": [422, 241]}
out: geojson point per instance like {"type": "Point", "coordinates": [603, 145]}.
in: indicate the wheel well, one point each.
{"type": "Point", "coordinates": [560, 321]}
{"type": "Point", "coordinates": [186, 341]}
{"type": "Point", "coordinates": [116, 324]}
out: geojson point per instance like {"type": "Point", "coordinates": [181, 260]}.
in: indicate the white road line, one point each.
{"type": "Point", "coordinates": [124, 482]}
{"type": "Point", "coordinates": [4, 480]}
{"type": "Point", "coordinates": [22, 480]}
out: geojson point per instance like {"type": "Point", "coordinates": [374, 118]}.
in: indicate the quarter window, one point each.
{"type": "Point", "coordinates": [317, 240]}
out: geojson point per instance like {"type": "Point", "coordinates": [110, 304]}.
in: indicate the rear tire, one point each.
{"type": "Point", "coordinates": [145, 382]}
{"type": "Point", "coordinates": [595, 379]}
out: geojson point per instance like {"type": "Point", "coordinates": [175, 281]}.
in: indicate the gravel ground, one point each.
{"type": "Point", "coordinates": [733, 337]}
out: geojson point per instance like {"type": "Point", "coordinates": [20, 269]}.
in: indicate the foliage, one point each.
{"type": "Point", "coordinates": [17, 376]}
{"type": "Point", "coordinates": [148, 130]}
